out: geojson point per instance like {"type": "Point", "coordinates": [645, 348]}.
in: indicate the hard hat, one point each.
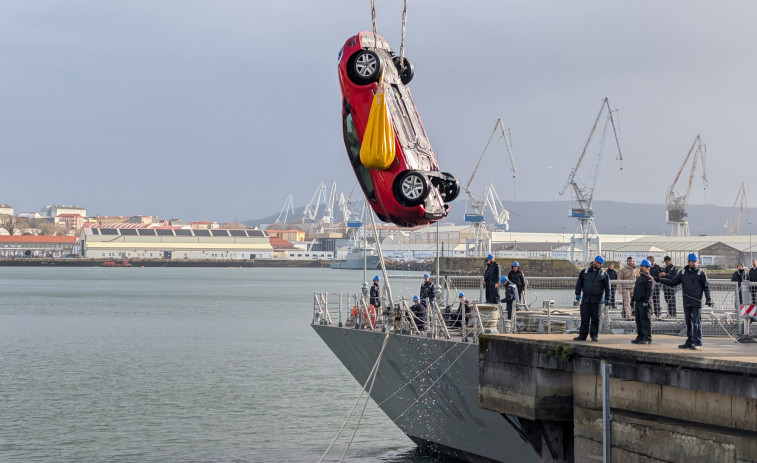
{"type": "Point", "coordinates": [515, 264]}
{"type": "Point", "coordinates": [600, 259]}
{"type": "Point", "coordinates": [426, 275]}
{"type": "Point", "coordinates": [502, 279]}
{"type": "Point", "coordinates": [376, 278]}
{"type": "Point", "coordinates": [645, 263]}
{"type": "Point", "coordinates": [693, 257]}
{"type": "Point", "coordinates": [416, 298]}
{"type": "Point", "coordinates": [489, 257]}
{"type": "Point", "coordinates": [461, 295]}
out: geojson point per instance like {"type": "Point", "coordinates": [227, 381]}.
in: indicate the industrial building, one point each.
{"type": "Point", "coordinates": [140, 241]}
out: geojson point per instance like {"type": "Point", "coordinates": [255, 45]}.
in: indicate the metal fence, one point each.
{"type": "Point", "coordinates": [548, 304]}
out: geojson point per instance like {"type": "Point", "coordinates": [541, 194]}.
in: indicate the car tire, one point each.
{"type": "Point", "coordinates": [407, 74]}
{"type": "Point", "coordinates": [411, 188]}
{"type": "Point", "coordinates": [364, 67]}
{"type": "Point", "coordinates": [451, 187]}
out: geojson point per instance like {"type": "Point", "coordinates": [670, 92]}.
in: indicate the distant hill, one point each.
{"type": "Point", "coordinates": [611, 217]}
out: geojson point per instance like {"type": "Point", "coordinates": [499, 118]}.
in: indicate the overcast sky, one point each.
{"type": "Point", "coordinates": [221, 109]}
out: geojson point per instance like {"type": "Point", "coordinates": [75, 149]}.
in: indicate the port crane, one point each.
{"type": "Point", "coordinates": [328, 213]}
{"type": "Point", "coordinates": [288, 207]}
{"type": "Point", "coordinates": [476, 204]}
{"type": "Point", "coordinates": [585, 234]}
{"type": "Point", "coordinates": [734, 226]}
{"type": "Point", "coordinates": [311, 210]}
{"type": "Point", "coordinates": [675, 203]}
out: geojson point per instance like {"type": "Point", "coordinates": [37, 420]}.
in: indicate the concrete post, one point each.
{"type": "Point", "coordinates": [606, 415]}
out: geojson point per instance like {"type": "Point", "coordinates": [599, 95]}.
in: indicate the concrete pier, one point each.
{"type": "Point", "coordinates": [667, 404]}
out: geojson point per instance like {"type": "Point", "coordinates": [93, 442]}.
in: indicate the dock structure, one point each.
{"type": "Point", "coordinates": [667, 404]}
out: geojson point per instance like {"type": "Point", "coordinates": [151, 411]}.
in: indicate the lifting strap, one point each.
{"type": "Point", "coordinates": [404, 27]}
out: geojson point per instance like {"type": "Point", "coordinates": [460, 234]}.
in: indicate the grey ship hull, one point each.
{"type": "Point", "coordinates": [442, 376]}
{"type": "Point", "coordinates": [354, 262]}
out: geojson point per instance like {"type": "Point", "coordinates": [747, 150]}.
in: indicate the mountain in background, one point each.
{"type": "Point", "coordinates": [611, 217]}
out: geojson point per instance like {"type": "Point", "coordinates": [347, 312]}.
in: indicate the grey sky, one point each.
{"type": "Point", "coordinates": [219, 110]}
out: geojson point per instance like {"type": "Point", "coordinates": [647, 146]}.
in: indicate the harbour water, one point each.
{"type": "Point", "coordinates": [176, 364]}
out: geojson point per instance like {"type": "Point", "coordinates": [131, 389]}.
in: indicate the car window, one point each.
{"type": "Point", "coordinates": [352, 144]}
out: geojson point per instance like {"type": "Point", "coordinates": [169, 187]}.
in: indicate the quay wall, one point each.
{"type": "Point", "coordinates": [667, 404]}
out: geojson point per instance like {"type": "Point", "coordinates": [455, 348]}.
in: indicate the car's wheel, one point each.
{"type": "Point", "coordinates": [364, 67]}
{"type": "Point", "coordinates": [407, 71]}
{"type": "Point", "coordinates": [411, 188]}
{"type": "Point", "coordinates": [450, 187]}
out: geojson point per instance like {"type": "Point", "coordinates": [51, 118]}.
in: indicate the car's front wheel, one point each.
{"type": "Point", "coordinates": [364, 67]}
{"type": "Point", "coordinates": [405, 69]}
{"type": "Point", "coordinates": [411, 188]}
{"type": "Point", "coordinates": [450, 187]}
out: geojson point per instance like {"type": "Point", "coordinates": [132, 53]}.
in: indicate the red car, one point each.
{"type": "Point", "coordinates": [412, 191]}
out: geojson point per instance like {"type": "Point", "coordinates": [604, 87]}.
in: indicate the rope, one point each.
{"type": "Point", "coordinates": [371, 378]}
{"type": "Point", "coordinates": [373, 19]}
{"type": "Point", "coordinates": [402, 43]}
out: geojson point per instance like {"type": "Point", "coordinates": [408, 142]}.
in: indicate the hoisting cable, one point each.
{"type": "Point", "coordinates": [371, 377]}
{"type": "Point", "coordinates": [402, 42]}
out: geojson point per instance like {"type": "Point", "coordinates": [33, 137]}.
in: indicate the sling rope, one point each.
{"type": "Point", "coordinates": [404, 29]}
{"type": "Point", "coordinates": [371, 376]}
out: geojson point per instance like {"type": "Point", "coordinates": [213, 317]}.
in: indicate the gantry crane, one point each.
{"type": "Point", "coordinates": [474, 207]}
{"type": "Point", "coordinates": [676, 203]}
{"type": "Point", "coordinates": [328, 213]}
{"type": "Point", "coordinates": [586, 229]}
{"type": "Point", "coordinates": [311, 210]}
{"type": "Point", "coordinates": [288, 207]}
{"type": "Point", "coordinates": [734, 226]}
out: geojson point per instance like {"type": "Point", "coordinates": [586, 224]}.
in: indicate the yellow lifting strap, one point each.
{"type": "Point", "coordinates": [378, 149]}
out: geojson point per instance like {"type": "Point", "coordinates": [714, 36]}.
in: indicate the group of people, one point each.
{"type": "Point", "coordinates": [593, 287]}
{"type": "Point", "coordinates": [630, 272]}
{"type": "Point", "coordinates": [743, 277]}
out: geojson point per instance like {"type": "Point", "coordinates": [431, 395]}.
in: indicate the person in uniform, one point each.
{"type": "Point", "coordinates": [654, 272]}
{"type": "Point", "coordinates": [694, 284]}
{"type": "Point", "coordinates": [613, 275]}
{"type": "Point", "coordinates": [740, 276]}
{"type": "Point", "coordinates": [669, 271]}
{"type": "Point", "coordinates": [375, 298]}
{"type": "Point", "coordinates": [419, 311]}
{"type": "Point", "coordinates": [511, 295]}
{"type": "Point", "coordinates": [517, 278]}
{"type": "Point", "coordinates": [643, 294]}
{"type": "Point", "coordinates": [629, 272]}
{"type": "Point", "coordinates": [491, 280]}
{"type": "Point", "coordinates": [593, 282]}
{"type": "Point", "coordinates": [428, 294]}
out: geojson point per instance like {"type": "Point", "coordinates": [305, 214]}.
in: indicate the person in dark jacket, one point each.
{"type": "Point", "coordinates": [511, 295]}
{"type": "Point", "coordinates": [669, 271]}
{"type": "Point", "coordinates": [654, 272]}
{"type": "Point", "coordinates": [491, 280]}
{"type": "Point", "coordinates": [753, 278]}
{"type": "Point", "coordinates": [427, 290]}
{"type": "Point", "coordinates": [612, 275]}
{"type": "Point", "coordinates": [517, 278]}
{"type": "Point", "coordinates": [376, 293]}
{"type": "Point", "coordinates": [643, 295]}
{"type": "Point", "coordinates": [419, 311]}
{"type": "Point", "coordinates": [694, 284]}
{"type": "Point", "coordinates": [593, 282]}
{"type": "Point", "coordinates": [740, 276]}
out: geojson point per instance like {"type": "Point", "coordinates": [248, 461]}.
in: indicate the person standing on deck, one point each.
{"type": "Point", "coordinates": [419, 311]}
{"type": "Point", "coordinates": [654, 272]}
{"type": "Point", "coordinates": [613, 276]}
{"type": "Point", "coordinates": [491, 280]}
{"type": "Point", "coordinates": [643, 294]}
{"type": "Point", "coordinates": [753, 278]}
{"type": "Point", "coordinates": [629, 272]}
{"type": "Point", "coordinates": [376, 293]}
{"type": "Point", "coordinates": [669, 271]}
{"type": "Point", "coordinates": [593, 282]}
{"type": "Point", "coordinates": [740, 276]}
{"type": "Point", "coordinates": [517, 278]}
{"type": "Point", "coordinates": [428, 293]}
{"type": "Point", "coordinates": [511, 295]}
{"type": "Point", "coordinates": [694, 284]}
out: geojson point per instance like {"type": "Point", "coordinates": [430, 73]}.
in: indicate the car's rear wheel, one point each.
{"type": "Point", "coordinates": [411, 188]}
{"type": "Point", "coordinates": [364, 67]}
{"type": "Point", "coordinates": [450, 187]}
{"type": "Point", "coordinates": [407, 71]}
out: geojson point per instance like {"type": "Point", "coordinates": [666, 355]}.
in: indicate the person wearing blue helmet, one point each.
{"type": "Point", "coordinates": [419, 311]}
{"type": "Point", "coordinates": [428, 293]}
{"type": "Point", "coordinates": [375, 299]}
{"type": "Point", "coordinates": [491, 280]}
{"type": "Point", "coordinates": [642, 303]}
{"type": "Point", "coordinates": [593, 283]}
{"type": "Point", "coordinates": [694, 285]}
{"type": "Point", "coordinates": [517, 278]}
{"type": "Point", "coordinates": [511, 295]}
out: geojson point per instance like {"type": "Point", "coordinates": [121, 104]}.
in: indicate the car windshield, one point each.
{"type": "Point", "coordinates": [352, 144]}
